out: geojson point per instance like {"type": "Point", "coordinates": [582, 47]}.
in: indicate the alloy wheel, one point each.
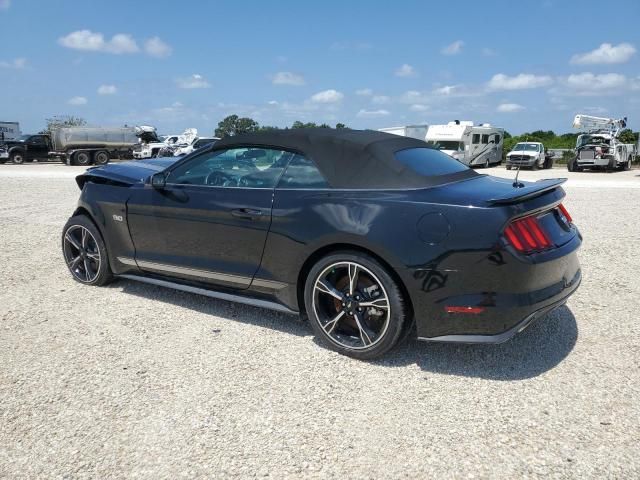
{"type": "Point", "coordinates": [81, 253]}
{"type": "Point", "coordinates": [351, 305]}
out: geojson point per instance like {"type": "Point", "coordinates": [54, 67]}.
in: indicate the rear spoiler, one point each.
{"type": "Point", "coordinates": [529, 190]}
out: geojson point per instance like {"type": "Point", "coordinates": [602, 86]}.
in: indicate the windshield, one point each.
{"type": "Point", "coordinates": [202, 142]}
{"type": "Point", "coordinates": [526, 147]}
{"type": "Point", "coordinates": [591, 139]}
{"type": "Point", "coordinates": [24, 137]}
{"type": "Point", "coordinates": [429, 162]}
{"type": "Point", "coordinates": [446, 145]}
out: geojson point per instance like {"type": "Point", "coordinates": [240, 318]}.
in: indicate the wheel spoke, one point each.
{"type": "Point", "coordinates": [94, 256]}
{"type": "Point", "coordinates": [353, 277]}
{"type": "Point", "coordinates": [84, 238]}
{"type": "Point", "coordinates": [87, 270]}
{"type": "Point", "coordinates": [377, 303]}
{"type": "Point", "coordinates": [73, 264]}
{"type": "Point", "coordinates": [71, 240]}
{"type": "Point", "coordinates": [331, 324]}
{"type": "Point", "coordinates": [365, 335]}
{"type": "Point", "coordinates": [326, 288]}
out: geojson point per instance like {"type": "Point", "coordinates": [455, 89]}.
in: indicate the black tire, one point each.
{"type": "Point", "coordinates": [82, 158]}
{"type": "Point", "coordinates": [535, 165]}
{"type": "Point", "coordinates": [508, 167]}
{"type": "Point", "coordinates": [17, 157]}
{"type": "Point", "coordinates": [627, 165]}
{"type": "Point", "coordinates": [332, 321]}
{"type": "Point", "coordinates": [101, 157]}
{"type": "Point", "coordinates": [87, 261]}
{"type": "Point", "coordinates": [487, 164]}
{"type": "Point", "coordinates": [572, 166]}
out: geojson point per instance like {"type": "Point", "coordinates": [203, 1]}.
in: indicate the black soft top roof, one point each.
{"type": "Point", "coordinates": [349, 158]}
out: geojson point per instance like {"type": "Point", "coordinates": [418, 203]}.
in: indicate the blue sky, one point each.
{"type": "Point", "coordinates": [521, 65]}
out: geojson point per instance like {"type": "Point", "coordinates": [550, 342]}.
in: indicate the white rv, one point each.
{"type": "Point", "coordinates": [413, 131]}
{"type": "Point", "coordinates": [473, 145]}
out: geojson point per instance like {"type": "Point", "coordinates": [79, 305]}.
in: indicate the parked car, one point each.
{"type": "Point", "coordinates": [369, 234]}
{"type": "Point", "coordinates": [530, 155]}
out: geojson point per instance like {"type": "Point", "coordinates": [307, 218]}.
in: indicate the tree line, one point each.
{"type": "Point", "coordinates": [234, 125]}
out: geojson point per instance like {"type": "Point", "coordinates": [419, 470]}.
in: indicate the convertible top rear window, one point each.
{"type": "Point", "coordinates": [429, 162]}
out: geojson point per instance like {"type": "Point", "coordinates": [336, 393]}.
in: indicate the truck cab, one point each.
{"type": "Point", "coordinates": [26, 148]}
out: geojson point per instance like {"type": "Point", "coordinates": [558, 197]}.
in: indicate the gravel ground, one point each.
{"type": "Point", "coordinates": [132, 380]}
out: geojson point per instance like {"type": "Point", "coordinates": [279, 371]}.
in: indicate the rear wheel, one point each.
{"type": "Point", "coordinates": [17, 158]}
{"type": "Point", "coordinates": [354, 306]}
{"type": "Point", "coordinates": [508, 167]}
{"type": "Point", "coordinates": [627, 165]}
{"type": "Point", "coordinates": [82, 158]}
{"type": "Point", "coordinates": [101, 157]}
{"type": "Point", "coordinates": [85, 252]}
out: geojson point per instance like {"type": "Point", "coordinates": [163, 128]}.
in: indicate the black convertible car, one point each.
{"type": "Point", "coordinates": [372, 235]}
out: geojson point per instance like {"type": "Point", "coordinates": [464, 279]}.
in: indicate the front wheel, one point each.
{"type": "Point", "coordinates": [17, 158]}
{"type": "Point", "coordinates": [85, 252]}
{"type": "Point", "coordinates": [354, 306]}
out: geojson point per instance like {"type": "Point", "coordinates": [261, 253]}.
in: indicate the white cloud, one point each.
{"type": "Point", "coordinates": [155, 47]}
{"type": "Point", "coordinates": [87, 40]}
{"type": "Point", "coordinates": [405, 70]}
{"type": "Point", "coordinates": [453, 49]}
{"type": "Point", "coordinates": [193, 81]}
{"type": "Point", "coordinates": [17, 64]}
{"type": "Point", "coordinates": [107, 90]}
{"type": "Point", "coordinates": [418, 107]}
{"type": "Point", "coordinates": [414, 96]}
{"type": "Point", "coordinates": [288, 78]}
{"type": "Point", "coordinates": [605, 54]}
{"type": "Point", "coordinates": [364, 92]}
{"type": "Point", "coordinates": [488, 52]}
{"type": "Point", "coordinates": [5, 4]}
{"type": "Point", "coordinates": [77, 101]}
{"type": "Point", "coordinates": [501, 81]}
{"type": "Point", "coordinates": [372, 113]}
{"type": "Point", "coordinates": [380, 99]}
{"type": "Point", "coordinates": [446, 90]}
{"type": "Point", "coordinates": [327, 96]}
{"type": "Point", "coordinates": [587, 81]}
{"type": "Point", "coordinates": [509, 108]}
{"type": "Point", "coordinates": [273, 102]}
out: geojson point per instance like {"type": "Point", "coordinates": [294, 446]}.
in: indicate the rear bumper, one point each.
{"type": "Point", "coordinates": [518, 327]}
{"type": "Point", "coordinates": [487, 297]}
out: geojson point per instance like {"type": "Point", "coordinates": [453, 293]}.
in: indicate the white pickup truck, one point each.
{"type": "Point", "coordinates": [529, 154]}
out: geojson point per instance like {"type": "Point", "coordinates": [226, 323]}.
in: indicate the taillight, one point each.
{"type": "Point", "coordinates": [565, 213]}
{"type": "Point", "coordinates": [526, 235]}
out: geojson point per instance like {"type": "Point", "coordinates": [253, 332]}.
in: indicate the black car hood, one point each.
{"type": "Point", "coordinates": [126, 173]}
{"type": "Point", "coordinates": [11, 143]}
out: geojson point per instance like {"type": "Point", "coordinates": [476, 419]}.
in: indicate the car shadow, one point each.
{"type": "Point", "coordinates": [538, 349]}
{"type": "Point", "coordinates": [261, 317]}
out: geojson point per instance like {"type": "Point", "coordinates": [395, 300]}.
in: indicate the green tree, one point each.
{"type": "Point", "coordinates": [59, 121]}
{"type": "Point", "coordinates": [340, 125]}
{"type": "Point", "coordinates": [234, 125]}
{"type": "Point", "coordinates": [627, 136]}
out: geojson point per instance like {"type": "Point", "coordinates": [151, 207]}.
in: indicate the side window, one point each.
{"type": "Point", "coordinates": [247, 167]}
{"type": "Point", "coordinates": [485, 139]}
{"type": "Point", "coordinates": [302, 173]}
{"type": "Point", "coordinates": [497, 139]}
{"type": "Point", "coordinates": [476, 138]}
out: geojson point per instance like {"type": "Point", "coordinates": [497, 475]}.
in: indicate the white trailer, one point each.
{"type": "Point", "coordinates": [413, 131]}
{"type": "Point", "coordinates": [473, 145]}
{"type": "Point", "coordinates": [9, 131]}
{"type": "Point", "coordinates": [599, 146]}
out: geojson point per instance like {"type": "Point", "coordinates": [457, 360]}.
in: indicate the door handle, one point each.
{"type": "Point", "coordinates": [247, 213]}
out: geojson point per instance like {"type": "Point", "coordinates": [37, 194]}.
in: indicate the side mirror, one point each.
{"type": "Point", "coordinates": [158, 180]}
